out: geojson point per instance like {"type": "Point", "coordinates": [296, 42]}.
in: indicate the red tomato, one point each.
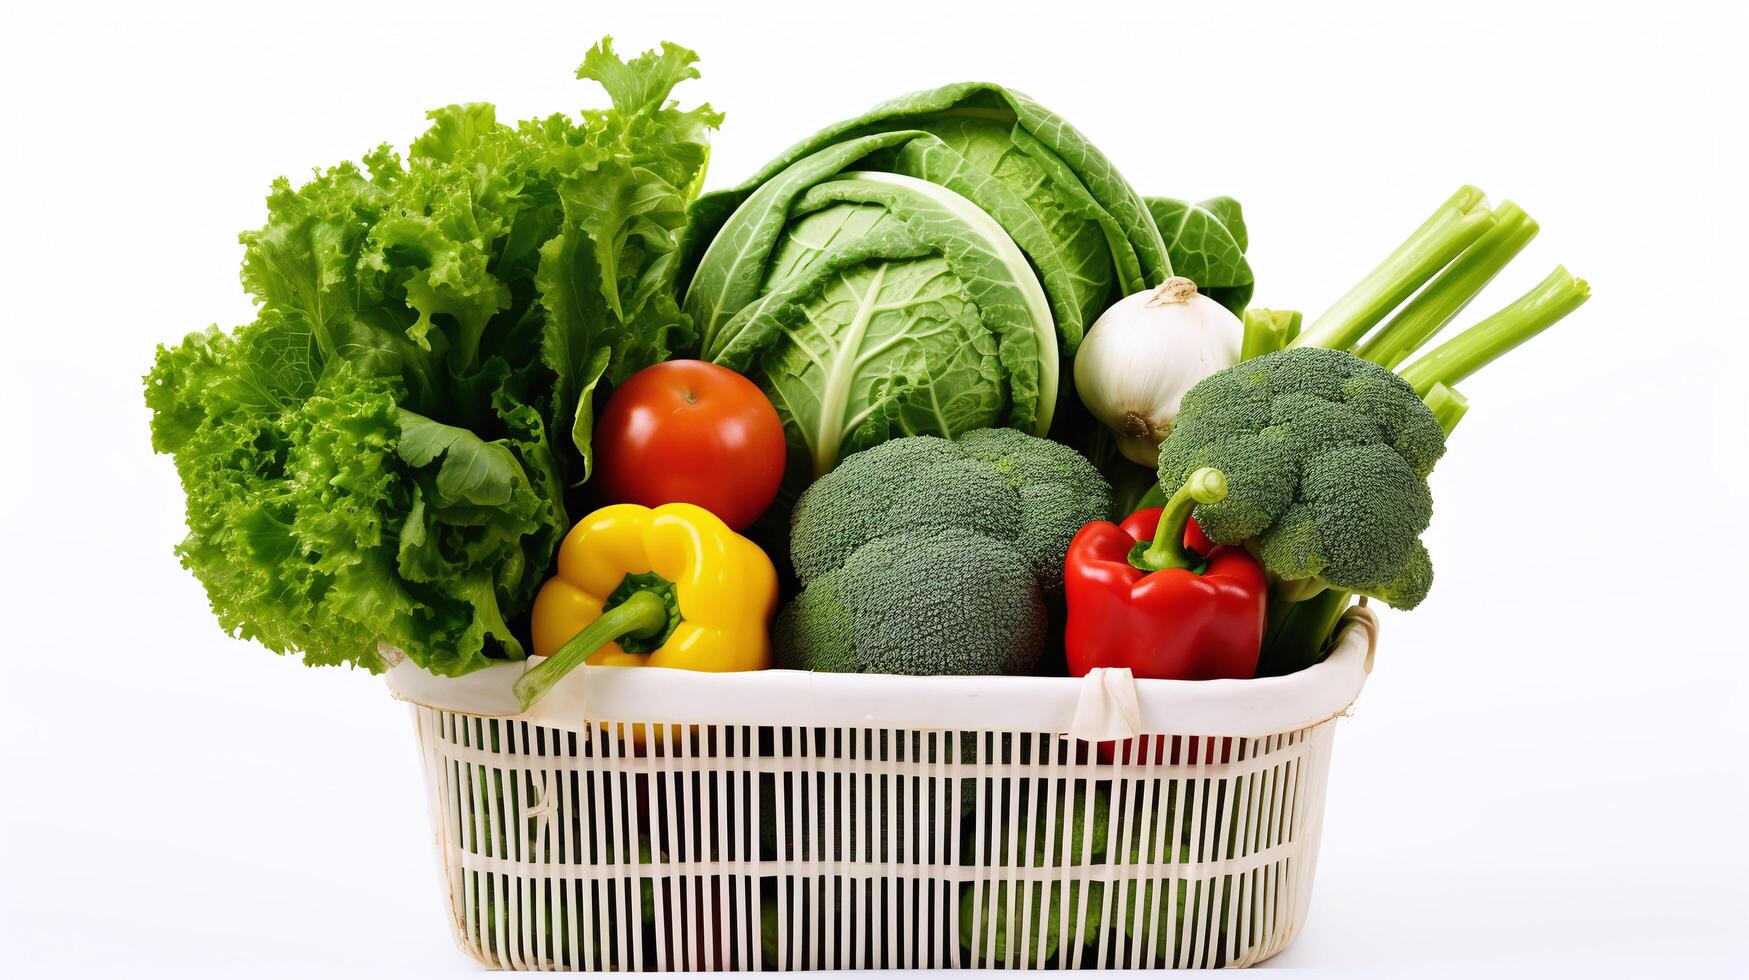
{"type": "Point", "coordinates": [694, 432]}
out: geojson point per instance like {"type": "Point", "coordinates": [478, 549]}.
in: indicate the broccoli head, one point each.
{"type": "Point", "coordinates": [929, 556]}
{"type": "Point", "coordinates": [1326, 457]}
{"type": "Point", "coordinates": [1060, 492]}
{"type": "Point", "coordinates": [916, 486]}
{"type": "Point", "coordinates": [953, 603]}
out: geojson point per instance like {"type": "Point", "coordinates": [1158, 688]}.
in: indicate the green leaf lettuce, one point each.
{"type": "Point", "coordinates": [382, 455]}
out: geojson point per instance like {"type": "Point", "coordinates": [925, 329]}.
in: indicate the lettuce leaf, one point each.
{"type": "Point", "coordinates": [624, 182]}
{"type": "Point", "coordinates": [383, 454]}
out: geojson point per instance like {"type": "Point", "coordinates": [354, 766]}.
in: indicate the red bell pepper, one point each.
{"type": "Point", "coordinates": [1143, 523]}
{"type": "Point", "coordinates": [1138, 597]}
{"type": "Point", "coordinates": [1157, 596]}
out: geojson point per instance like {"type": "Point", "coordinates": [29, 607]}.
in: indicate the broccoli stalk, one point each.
{"type": "Point", "coordinates": [1206, 486]}
{"type": "Point", "coordinates": [1297, 631]}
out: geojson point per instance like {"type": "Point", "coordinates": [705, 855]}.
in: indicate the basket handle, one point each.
{"type": "Point", "coordinates": [1362, 617]}
{"type": "Point", "coordinates": [1107, 709]}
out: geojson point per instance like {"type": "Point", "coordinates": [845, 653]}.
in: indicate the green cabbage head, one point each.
{"type": "Point", "coordinates": [922, 269]}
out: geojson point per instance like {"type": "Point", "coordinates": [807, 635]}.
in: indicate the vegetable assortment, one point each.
{"type": "Point", "coordinates": [920, 269]}
{"type": "Point", "coordinates": [970, 395]}
{"type": "Point", "coordinates": [935, 392]}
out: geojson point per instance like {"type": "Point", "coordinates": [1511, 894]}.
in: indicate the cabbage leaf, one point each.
{"type": "Point", "coordinates": [1206, 241]}
{"type": "Point", "coordinates": [1084, 229]}
{"type": "Point", "coordinates": [901, 308]}
{"type": "Point", "coordinates": [921, 269]}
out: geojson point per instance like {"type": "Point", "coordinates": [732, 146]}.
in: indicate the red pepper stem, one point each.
{"type": "Point", "coordinates": [1206, 486]}
{"type": "Point", "coordinates": [641, 614]}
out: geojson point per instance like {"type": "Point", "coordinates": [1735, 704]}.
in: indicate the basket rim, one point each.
{"type": "Point", "coordinates": [1252, 708]}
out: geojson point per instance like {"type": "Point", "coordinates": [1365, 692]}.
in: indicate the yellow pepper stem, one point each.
{"type": "Point", "coordinates": [642, 614]}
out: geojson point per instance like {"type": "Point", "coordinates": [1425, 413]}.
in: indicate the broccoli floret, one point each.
{"type": "Point", "coordinates": [925, 556]}
{"type": "Point", "coordinates": [1369, 508]}
{"type": "Point", "coordinates": [1313, 425]}
{"type": "Point", "coordinates": [949, 603]}
{"type": "Point", "coordinates": [969, 596]}
{"type": "Point", "coordinates": [1060, 492]}
{"type": "Point", "coordinates": [1412, 582]}
{"type": "Point", "coordinates": [1408, 425]}
{"type": "Point", "coordinates": [1326, 457]}
{"type": "Point", "coordinates": [817, 623]}
{"type": "Point", "coordinates": [921, 485]}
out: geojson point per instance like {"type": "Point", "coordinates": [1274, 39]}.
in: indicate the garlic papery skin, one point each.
{"type": "Point", "coordinates": [1144, 353]}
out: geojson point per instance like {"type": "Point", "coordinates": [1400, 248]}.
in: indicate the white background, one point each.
{"type": "Point", "coordinates": [1546, 771]}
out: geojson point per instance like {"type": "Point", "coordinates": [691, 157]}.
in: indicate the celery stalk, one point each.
{"type": "Point", "coordinates": [1447, 295]}
{"type": "Point", "coordinates": [1440, 239]}
{"type": "Point", "coordinates": [1522, 319]}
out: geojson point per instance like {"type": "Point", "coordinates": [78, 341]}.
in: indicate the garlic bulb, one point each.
{"type": "Point", "coordinates": [1144, 353]}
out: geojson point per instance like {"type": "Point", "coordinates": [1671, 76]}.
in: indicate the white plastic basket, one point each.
{"type": "Point", "coordinates": [647, 819]}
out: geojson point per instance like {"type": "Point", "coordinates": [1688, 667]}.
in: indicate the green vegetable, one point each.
{"type": "Point", "coordinates": [1175, 920]}
{"type": "Point", "coordinates": [770, 908]}
{"type": "Point", "coordinates": [1142, 918]}
{"type": "Point", "coordinates": [1162, 917]}
{"type": "Point", "coordinates": [947, 332]}
{"type": "Point", "coordinates": [1327, 452]}
{"type": "Point", "coordinates": [947, 602]}
{"type": "Point", "coordinates": [1441, 238]}
{"type": "Point", "coordinates": [1057, 488]}
{"type": "Point", "coordinates": [1552, 299]}
{"type": "Point", "coordinates": [925, 556]}
{"type": "Point", "coordinates": [1447, 405]}
{"type": "Point", "coordinates": [1326, 457]}
{"type": "Point", "coordinates": [888, 815]}
{"type": "Point", "coordinates": [993, 935]}
{"type": "Point", "coordinates": [382, 454]}
{"type": "Point", "coordinates": [1267, 331]}
{"type": "Point", "coordinates": [625, 181]}
{"type": "Point", "coordinates": [1302, 618]}
{"type": "Point", "coordinates": [1453, 289]}
{"type": "Point", "coordinates": [918, 269]}
{"type": "Point", "coordinates": [1206, 244]}
{"type": "Point", "coordinates": [1057, 196]}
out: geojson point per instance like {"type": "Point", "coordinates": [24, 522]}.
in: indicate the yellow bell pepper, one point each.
{"type": "Point", "coordinates": [669, 586]}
